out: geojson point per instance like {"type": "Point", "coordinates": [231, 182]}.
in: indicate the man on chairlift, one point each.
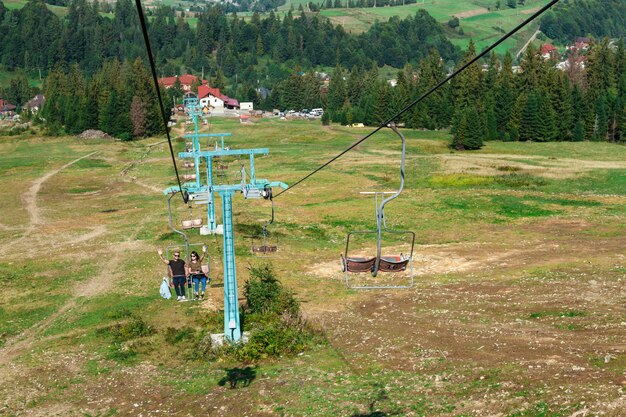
{"type": "Point", "coordinates": [179, 273]}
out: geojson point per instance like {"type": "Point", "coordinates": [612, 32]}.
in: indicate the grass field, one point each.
{"type": "Point", "coordinates": [518, 307]}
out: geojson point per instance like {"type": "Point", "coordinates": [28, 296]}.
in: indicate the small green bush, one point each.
{"type": "Point", "coordinates": [131, 329]}
{"type": "Point", "coordinates": [174, 335]}
{"type": "Point", "coordinates": [264, 293]}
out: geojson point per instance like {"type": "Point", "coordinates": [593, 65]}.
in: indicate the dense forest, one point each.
{"type": "Point", "coordinates": [485, 102]}
{"type": "Point", "coordinates": [597, 18]}
{"type": "Point", "coordinates": [492, 102]}
{"type": "Point", "coordinates": [258, 49]}
{"type": "Point", "coordinates": [119, 99]}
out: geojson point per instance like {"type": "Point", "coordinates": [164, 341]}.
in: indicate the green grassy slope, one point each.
{"type": "Point", "coordinates": [85, 260]}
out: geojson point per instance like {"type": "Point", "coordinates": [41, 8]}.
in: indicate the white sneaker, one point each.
{"type": "Point", "coordinates": [183, 298]}
{"type": "Point", "coordinates": [178, 298]}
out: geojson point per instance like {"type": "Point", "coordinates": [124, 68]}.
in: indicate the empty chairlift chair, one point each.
{"type": "Point", "coordinates": [263, 244]}
{"type": "Point", "coordinates": [384, 263]}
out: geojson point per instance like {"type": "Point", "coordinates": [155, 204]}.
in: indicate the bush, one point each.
{"type": "Point", "coordinates": [325, 119]}
{"type": "Point", "coordinates": [174, 335]}
{"type": "Point", "coordinates": [125, 137]}
{"type": "Point", "coordinates": [131, 329]}
{"type": "Point", "coordinates": [265, 295]}
{"type": "Point", "coordinates": [272, 314]}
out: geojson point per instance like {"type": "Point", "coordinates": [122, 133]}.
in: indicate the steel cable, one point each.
{"type": "Point", "coordinates": [423, 96]}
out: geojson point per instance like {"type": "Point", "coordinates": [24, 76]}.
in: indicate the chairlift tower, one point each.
{"type": "Point", "coordinates": [251, 188]}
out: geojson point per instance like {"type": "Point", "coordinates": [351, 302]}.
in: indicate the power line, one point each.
{"type": "Point", "coordinates": [423, 96]}
{"type": "Point", "coordinates": [144, 30]}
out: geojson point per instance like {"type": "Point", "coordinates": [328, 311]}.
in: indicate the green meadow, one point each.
{"type": "Point", "coordinates": [519, 273]}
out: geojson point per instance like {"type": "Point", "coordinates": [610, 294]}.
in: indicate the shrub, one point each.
{"type": "Point", "coordinates": [325, 119]}
{"type": "Point", "coordinates": [131, 329]}
{"type": "Point", "coordinates": [174, 335]}
{"type": "Point", "coordinates": [265, 295]}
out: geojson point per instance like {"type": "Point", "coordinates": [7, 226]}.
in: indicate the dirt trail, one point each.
{"type": "Point", "coordinates": [30, 201]}
{"type": "Point", "coordinates": [101, 283]}
{"type": "Point", "coordinates": [98, 284]}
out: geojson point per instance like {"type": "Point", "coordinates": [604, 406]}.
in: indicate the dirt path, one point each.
{"type": "Point", "coordinates": [30, 201]}
{"type": "Point", "coordinates": [101, 283]}
{"type": "Point", "coordinates": [98, 284]}
{"type": "Point", "coordinates": [532, 38]}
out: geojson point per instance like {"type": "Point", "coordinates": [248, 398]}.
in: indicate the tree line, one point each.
{"type": "Point", "coordinates": [490, 101]}
{"type": "Point", "coordinates": [258, 50]}
{"type": "Point", "coordinates": [597, 18]}
{"type": "Point", "coordinates": [119, 99]}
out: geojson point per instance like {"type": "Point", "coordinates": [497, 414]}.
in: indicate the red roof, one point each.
{"type": "Point", "coordinates": [205, 90]}
{"type": "Point", "coordinates": [547, 48]}
{"type": "Point", "coordinates": [185, 79]}
{"type": "Point", "coordinates": [5, 105]}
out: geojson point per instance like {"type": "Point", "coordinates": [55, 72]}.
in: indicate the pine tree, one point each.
{"type": "Point", "coordinates": [529, 129]}
{"type": "Point", "coordinates": [460, 133]}
{"type": "Point", "coordinates": [505, 95]}
{"type": "Point", "coordinates": [578, 135]}
{"type": "Point", "coordinates": [475, 129]}
{"type": "Point", "coordinates": [337, 93]}
{"type": "Point", "coordinates": [138, 117]}
{"type": "Point", "coordinates": [546, 123]}
{"type": "Point", "coordinates": [563, 107]}
{"type": "Point", "coordinates": [514, 123]}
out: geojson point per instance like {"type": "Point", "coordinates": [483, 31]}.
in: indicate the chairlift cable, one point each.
{"type": "Point", "coordinates": [423, 96]}
{"type": "Point", "coordinates": [144, 30]}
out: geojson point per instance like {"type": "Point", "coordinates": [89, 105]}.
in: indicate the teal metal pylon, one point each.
{"type": "Point", "coordinates": [203, 192]}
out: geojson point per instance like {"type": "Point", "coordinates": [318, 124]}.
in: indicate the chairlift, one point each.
{"type": "Point", "coordinates": [191, 222]}
{"type": "Point", "coordinates": [265, 246]}
{"type": "Point", "coordinates": [185, 251]}
{"type": "Point", "coordinates": [381, 263]}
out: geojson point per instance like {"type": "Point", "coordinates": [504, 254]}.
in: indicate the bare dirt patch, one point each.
{"type": "Point", "coordinates": [531, 11]}
{"type": "Point", "coordinates": [494, 164]}
{"type": "Point", "coordinates": [470, 13]}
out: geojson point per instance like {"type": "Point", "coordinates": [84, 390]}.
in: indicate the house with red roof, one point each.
{"type": "Point", "coordinates": [186, 81]}
{"type": "Point", "coordinates": [212, 97]}
{"type": "Point", "coordinates": [549, 51]}
{"type": "Point", "coordinates": [6, 108]}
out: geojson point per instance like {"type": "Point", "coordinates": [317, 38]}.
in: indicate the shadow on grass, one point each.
{"type": "Point", "coordinates": [238, 376]}
{"type": "Point", "coordinates": [379, 396]}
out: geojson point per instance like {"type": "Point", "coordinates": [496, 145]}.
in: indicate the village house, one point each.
{"type": "Point", "coordinates": [6, 108]}
{"type": "Point", "coordinates": [186, 81]}
{"type": "Point", "coordinates": [36, 103]}
{"type": "Point", "coordinates": [549, 51]}
{"type": "Point", "coordinates": [580, 44]}
{"type": "Point", "coordinates": [212, 97]}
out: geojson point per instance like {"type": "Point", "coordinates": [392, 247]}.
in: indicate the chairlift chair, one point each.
{"type": "Point", "coordinates": [185, 251]}
{"type": "Point", "coordinates": [191, 222]}
{"type": "Point", "coordinates": [381, 263]}
{"type": "Point", "coordinates": [266, 246]}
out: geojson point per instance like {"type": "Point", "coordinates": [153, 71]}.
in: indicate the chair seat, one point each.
{"type": "Point", "coordinates": [357, 265]}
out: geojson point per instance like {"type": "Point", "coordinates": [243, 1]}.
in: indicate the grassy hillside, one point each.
{"type": "Point", "coordinates": [519, 265]}
{"type": "Point", "coordinates": [477, 22]}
